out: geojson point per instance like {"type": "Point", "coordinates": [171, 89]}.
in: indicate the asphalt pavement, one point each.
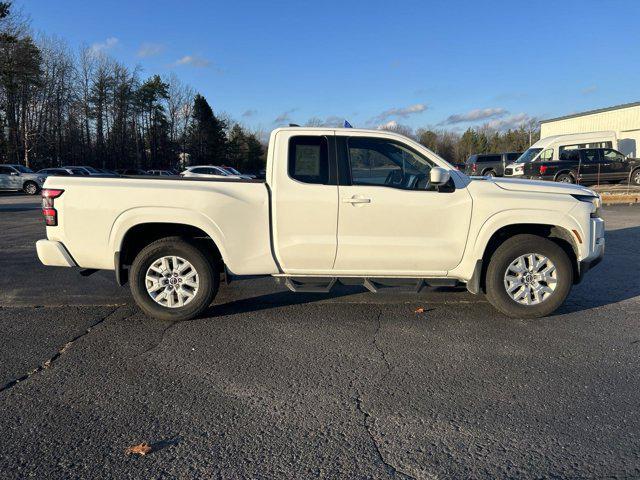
{"type": "Point", "coordinates": [271, 384]}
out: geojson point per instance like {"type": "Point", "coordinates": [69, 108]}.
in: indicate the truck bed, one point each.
{"type": "Point", "coordinates": [95, 214]}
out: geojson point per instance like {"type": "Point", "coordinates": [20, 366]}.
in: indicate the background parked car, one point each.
{"type": "Point", "coordinates": [233, 171]}
{"type": "Point", "coordinates": [87, 170]}
{"type": "Point", "coordinates": [58, 172]}
{"type": "Point", "coordinates": [490, 164]}
{"type": "Point", "coordinates": [210, 171]}
{"type": "Point", "coordinates": [586, 166]}
{"type": "Point", "coordinates": [161, 173]}
{"type": "Point", "coordinates": [132, 171]}
{"type": "Point", "coordinates": [18, 177]}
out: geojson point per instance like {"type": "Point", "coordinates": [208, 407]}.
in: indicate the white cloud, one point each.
{"type": "Point", "coordinates": [589, 90]}
{"type": "Point", "coordinates": [511, 122]}
{"type": "Point", "coordinates": [330, 121]}
{"type": "Point", "coordinates": [391, 124]}
{"type": "Point", "coordinates": [475, 115]}
{"type": "Point", "coordinates": [193, 60]}
{"type": "Point", "coordinates": [398, 112]}
{"type": "Point", "coordinates": [284, 117]}
{"type": "Point", "coordinates": [102, 47]}
{"type": "Point", "coordinates": [150, 50]}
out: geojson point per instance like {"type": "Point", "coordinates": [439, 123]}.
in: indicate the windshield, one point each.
{"type": "Point", "coordinates": [22, 169]}
{"type": "Point", "coordinates": [529, 155]}
{"type": "Point", "coordinates": [90, 169]}
{"type": "Point", "coordinates": [232, 170]}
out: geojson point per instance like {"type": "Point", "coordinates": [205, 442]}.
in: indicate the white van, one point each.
{"type": "Point", "coordinates": [550, 148]}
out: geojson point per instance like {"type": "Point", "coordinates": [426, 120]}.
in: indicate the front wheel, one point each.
{"type": "Point", "coordinates": [635, 176]}
{"type": "Point", "coordinates": [30, 188]}
{"type": "Point", "coordinates": [528, 277]}
{"type": "Point", "coordinates": [173, 279]}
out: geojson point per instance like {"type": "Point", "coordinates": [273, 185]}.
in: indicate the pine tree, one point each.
{"type": "Point", "coordinates": [207, 142]}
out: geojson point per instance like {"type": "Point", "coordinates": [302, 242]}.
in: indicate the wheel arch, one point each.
{"type": "Point", "coordinates": [136, 228]}
{"type": "Point", "coordinates": [570, 172]}
{"type": "Point", "coordinates": [558, 234]}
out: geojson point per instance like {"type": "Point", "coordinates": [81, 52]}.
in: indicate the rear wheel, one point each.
{"type": "Point", "coordinates": [30, 188]}
{"type": "Point", "coordinates": [565, 178]}
{"type": "Point", "coordinates": [173, 279]}
{"type": "Point", "coordinates": [635, 176]}
{"type": "Point", "coordinates": [528, 277]}
{"type": "Point", "coordinates": [490, 174]}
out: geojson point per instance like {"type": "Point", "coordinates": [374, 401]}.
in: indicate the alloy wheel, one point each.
{"type": "Point", "coordinates": [530, 279]}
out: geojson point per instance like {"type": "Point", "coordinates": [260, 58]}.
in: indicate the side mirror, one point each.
{"type": "Point", "coordinates": [439, 176]}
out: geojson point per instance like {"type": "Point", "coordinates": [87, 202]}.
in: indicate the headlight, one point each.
{"type": "Point", "coordinates": [594, 200]}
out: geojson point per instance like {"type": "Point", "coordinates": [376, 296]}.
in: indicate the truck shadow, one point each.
{"type": "Point", "coordinates": [614, 280]}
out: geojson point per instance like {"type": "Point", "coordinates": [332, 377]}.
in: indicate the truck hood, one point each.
{"type": "Point", "coordinates": [539, 186]}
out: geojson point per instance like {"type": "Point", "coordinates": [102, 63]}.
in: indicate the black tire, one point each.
{"type": "Point", "coordinates": [565, 178]}
{"type": "Point", "coordinates": [509, 251]}
{"type": "Point", "coordinates": [30, 188]}
{"type": "Point", "coordinates": [490, 174]}
{"type": "Point", "coordinates": [635, 177]}
{"type": "Point", "coordinates": [206, 268]}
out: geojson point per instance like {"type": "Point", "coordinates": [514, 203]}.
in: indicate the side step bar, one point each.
{"type": "Point", "coordinates": [326, 284]}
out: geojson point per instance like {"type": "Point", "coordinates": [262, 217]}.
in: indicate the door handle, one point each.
{"type": "Point", "coordinates": [356, 199]}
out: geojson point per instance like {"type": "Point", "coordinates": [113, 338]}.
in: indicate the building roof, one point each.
{"type": "Point", "coordinates": [591, 112]}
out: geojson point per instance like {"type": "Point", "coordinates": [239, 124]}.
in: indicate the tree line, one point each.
{"type": "Point", "coordinates": [59, 107]}
{"type": "Point", "coordinates": [457, 147]}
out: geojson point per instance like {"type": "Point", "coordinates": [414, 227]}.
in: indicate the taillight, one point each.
{"type": "Point", "coordinates": [48, 212]}
{"type": "Point", "coordinates": [474, 168]}
{"type": "Point", "coordinates": [543, 169]}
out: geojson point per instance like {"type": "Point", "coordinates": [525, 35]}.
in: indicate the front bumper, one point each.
{"type": "Point", "coordinates": [596, 248]}
{"type": "Point", "coordinates": [54, 254]}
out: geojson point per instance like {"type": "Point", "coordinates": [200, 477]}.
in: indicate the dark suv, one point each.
{"type": "Point", "coordinates": [490, 164]}
{"type": "Point", "coordinates": [586, 166]}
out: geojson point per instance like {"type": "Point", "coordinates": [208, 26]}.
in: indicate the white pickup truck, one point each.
{"type": "Point", "coordinates": [365, 205]}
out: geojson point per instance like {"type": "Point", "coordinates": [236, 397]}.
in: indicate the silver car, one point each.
{"type": "Point", "coordinates": [17, 177]}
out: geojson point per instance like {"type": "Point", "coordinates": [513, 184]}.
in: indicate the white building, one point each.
{"type": "Point", "coordinates": [622, 119]}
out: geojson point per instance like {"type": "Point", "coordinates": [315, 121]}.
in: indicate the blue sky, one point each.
{"type": "Point", "coordinates": [448, 64]}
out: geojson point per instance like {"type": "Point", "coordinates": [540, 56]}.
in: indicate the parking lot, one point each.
{"type": "Point", "coordinates": [271, 384]}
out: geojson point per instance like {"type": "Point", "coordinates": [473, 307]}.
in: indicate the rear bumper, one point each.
{"type": "Point", "coordinates": [54, 254]}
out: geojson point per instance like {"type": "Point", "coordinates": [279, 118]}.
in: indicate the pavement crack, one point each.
{"type": "Point", "coordinates": [379, 348]}
{"type": "Point", "coordinates": [159, 342]}
{"type": "Point", "coordinates": [391, 469]}
{"type": "Point", "coordinates": [61, 351]}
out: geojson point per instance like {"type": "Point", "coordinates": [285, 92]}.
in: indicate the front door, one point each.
{"type": "Point", "coordinates": [391, 221]}
{"type": "Point", "coordinates": [615, 164]}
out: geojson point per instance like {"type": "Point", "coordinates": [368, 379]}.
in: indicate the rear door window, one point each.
{"type": "Point", "coordinates": [309, 159]}
{"type": "Point", "coordinates": [591, 155]}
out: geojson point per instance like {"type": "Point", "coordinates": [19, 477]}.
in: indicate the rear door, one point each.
{"type": "Point", "coordinates": [305, 201]}
{"type": "Point", "coordinates": [391, 222]}
{"type": "Point", "coordinates": [590, 166]}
